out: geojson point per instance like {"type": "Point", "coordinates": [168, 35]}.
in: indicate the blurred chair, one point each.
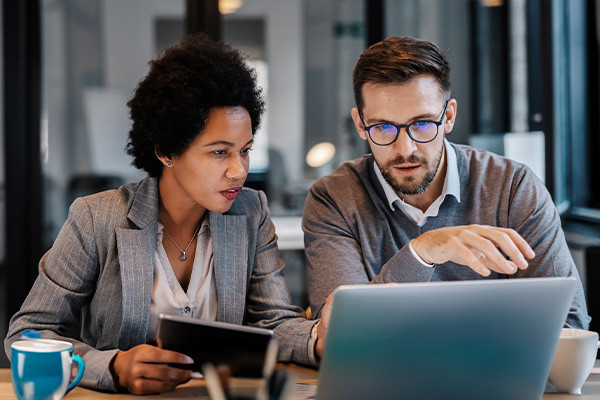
{"type": "Point", "coordinates": [82, 185]}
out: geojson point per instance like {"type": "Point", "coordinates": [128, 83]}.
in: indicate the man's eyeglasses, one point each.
{"type": "Point", "coordinates": [423, 131]}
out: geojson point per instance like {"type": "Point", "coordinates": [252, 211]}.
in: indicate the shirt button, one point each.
{"type": "Point", "coordinates": [187, 309]}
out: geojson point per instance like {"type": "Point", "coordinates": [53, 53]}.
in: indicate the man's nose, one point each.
{"type": "Point", "coordinates": [404, 145]}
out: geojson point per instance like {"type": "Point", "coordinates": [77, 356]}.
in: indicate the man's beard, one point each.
{"type": "Point", "coordinates": [410, 186]}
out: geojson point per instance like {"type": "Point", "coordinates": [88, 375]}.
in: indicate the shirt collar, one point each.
{"type": "Point", "coordinates": [451, 181]}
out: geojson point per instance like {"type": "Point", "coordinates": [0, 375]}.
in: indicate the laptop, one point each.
{"type": "Point", "coordinates": [488, 339]}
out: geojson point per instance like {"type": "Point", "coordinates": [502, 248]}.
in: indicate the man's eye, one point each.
{"type": "Point", "coordinates": [423, 126]}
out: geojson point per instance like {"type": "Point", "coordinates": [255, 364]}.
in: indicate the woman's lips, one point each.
{"type": "Point", "coordinates": [232, 193]}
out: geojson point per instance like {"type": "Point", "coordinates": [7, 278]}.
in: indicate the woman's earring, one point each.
{"type": "Point", "coordinates": [169, 163]}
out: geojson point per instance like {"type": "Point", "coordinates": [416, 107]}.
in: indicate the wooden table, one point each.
{"type": "Point", "coordinates": [305, 388]}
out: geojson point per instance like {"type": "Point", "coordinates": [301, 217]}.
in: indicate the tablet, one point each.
{"type": "Point", "coordinates": [249, 352]}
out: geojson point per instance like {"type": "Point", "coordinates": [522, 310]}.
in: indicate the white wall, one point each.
{"type": "Point", "coordinates": [128, 27]}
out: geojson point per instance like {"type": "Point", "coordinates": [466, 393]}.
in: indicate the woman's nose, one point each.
{"type": "Point", "coordinates": [237, 168]}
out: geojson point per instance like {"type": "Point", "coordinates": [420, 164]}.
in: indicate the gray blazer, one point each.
{"type": "Point", "coordinates": [95, 284]}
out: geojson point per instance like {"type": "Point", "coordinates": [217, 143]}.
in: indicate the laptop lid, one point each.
{"type": "Point", "coordinates": [488, 339]}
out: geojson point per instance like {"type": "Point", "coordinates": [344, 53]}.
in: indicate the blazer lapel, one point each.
{"type": "Point", "coordinates": [136, 247]}
{"type": "Point", "coordinates": [230, 252]}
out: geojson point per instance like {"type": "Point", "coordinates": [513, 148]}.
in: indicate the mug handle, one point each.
{"type": "Point", "coordinates": [80, 369]}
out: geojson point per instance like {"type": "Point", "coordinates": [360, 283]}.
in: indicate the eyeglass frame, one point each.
{"type": "Point", "coordinates": [399, 127]}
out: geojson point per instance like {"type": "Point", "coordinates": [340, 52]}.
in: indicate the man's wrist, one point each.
{"type": "Point", "coordinates": [419, 259]}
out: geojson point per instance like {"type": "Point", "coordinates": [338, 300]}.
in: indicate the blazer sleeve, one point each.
{"type": "Point", "coordinates": [67, 278]}
{"type": "Point", "coordinates": [269, 303]}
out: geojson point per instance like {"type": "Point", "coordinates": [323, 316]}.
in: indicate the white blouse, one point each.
{"type": "Point", "coordinates": [168, 297]}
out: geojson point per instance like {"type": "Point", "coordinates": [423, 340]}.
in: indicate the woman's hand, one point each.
{"type": "Point", "coordinates": [143, 370]}
{"type": "Point", "coordinates": [322, 327]}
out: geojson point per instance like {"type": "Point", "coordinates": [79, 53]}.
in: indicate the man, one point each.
{"type": "Point", "coordinates": [419, 208]}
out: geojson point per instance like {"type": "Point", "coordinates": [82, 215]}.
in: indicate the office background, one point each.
{"type": "Point", "coordinates": [525, 74]}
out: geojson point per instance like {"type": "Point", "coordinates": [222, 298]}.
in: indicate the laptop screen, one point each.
{"type": "Point", "coordinates": [487, 339]}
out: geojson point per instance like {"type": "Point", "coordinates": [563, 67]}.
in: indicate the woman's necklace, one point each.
{"type": "Point", "coordinates": [183, 256]}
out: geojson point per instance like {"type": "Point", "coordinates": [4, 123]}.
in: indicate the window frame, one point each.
{"type": "Point", "coordinates": [570, 67]}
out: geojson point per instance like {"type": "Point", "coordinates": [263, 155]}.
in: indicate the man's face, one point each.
{"type": "Point", "coordinates": [409, 167]}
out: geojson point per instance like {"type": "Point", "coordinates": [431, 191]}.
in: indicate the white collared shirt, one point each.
{"type": "Point", "coordinates": [451, 187]}
{"type": "Point", "coordinates": [168, 297]}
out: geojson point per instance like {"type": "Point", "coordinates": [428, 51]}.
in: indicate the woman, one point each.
{"type": "Point", "coordinates": [187, 240]}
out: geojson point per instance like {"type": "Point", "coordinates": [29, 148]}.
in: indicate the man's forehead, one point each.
{"type": "Point", "coordinates": [423, 85]}
{"type": "Point", "coordinates": [404, 101]}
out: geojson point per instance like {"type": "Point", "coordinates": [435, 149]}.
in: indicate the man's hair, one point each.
{"type": "Point", "coordinates": [172, 103]}
{"type": "Point", "coordinates": [398, 60]}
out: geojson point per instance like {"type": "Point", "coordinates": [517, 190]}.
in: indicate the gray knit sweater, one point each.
{"type": "Point", "coordinates": [353, 237]}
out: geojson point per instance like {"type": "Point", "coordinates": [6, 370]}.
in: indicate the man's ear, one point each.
{"type": "Point", "coordinates": [360, 128]}
{"type": "Point", "coordinates": [450, 116]}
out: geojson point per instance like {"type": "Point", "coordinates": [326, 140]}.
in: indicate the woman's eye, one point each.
{"type": "Point", "coordinates": [220, 152]}
{"type": "Point", "coordinates": [246, 151]}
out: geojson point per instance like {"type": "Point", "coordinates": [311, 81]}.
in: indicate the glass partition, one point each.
{"type": "Point", "coordinates": [94, 53]}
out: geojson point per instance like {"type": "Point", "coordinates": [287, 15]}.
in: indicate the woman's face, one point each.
{"type": "Point", "coordinates": [211, 172]}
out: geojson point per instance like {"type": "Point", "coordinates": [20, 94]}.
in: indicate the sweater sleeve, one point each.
{"type": "Point", "coordinates": [335, 257]}
{"type": "Point", "coordinates": [533, 215]}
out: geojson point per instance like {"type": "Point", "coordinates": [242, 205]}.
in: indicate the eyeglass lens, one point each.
{"type": "Point", "coordinates": [421, 131]}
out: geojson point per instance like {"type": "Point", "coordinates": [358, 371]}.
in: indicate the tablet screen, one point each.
{"type": "Point", "coordinates": [248, 351]}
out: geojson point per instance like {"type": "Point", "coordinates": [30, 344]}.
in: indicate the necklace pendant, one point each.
{"type": "Point", "coordinates": [183, 256]}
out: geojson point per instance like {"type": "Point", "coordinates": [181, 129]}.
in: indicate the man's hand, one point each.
{"type": "Point", "coordinates": [476, 246]}
{"type": "Point", "coordinates": [322, 326]}
{"type": "Point", "coordinates": [142, 369]}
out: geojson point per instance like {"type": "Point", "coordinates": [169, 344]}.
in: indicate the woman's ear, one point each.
{"type": "Point", "coordinates": [167, 161]}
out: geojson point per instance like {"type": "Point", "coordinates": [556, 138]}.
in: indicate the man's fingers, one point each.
{"type": "Point", "coordinates": [465, 244]}
{"type": "Point", "coordinates": [476, 265]}
{"type": "Point", "coordinates": [473, 261]}
{"type": "Point", "coordinates": [494, 267]}
{"type": "Point", "coordinates": [510, 242]}
{"type": "Point", "coordinates": [493, 260]}
{"type": "Point", "coordinates": [523, 246]}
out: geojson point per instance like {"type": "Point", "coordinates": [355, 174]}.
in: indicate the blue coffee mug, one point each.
{"type": "Point", "coordinates": [41, 368]}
